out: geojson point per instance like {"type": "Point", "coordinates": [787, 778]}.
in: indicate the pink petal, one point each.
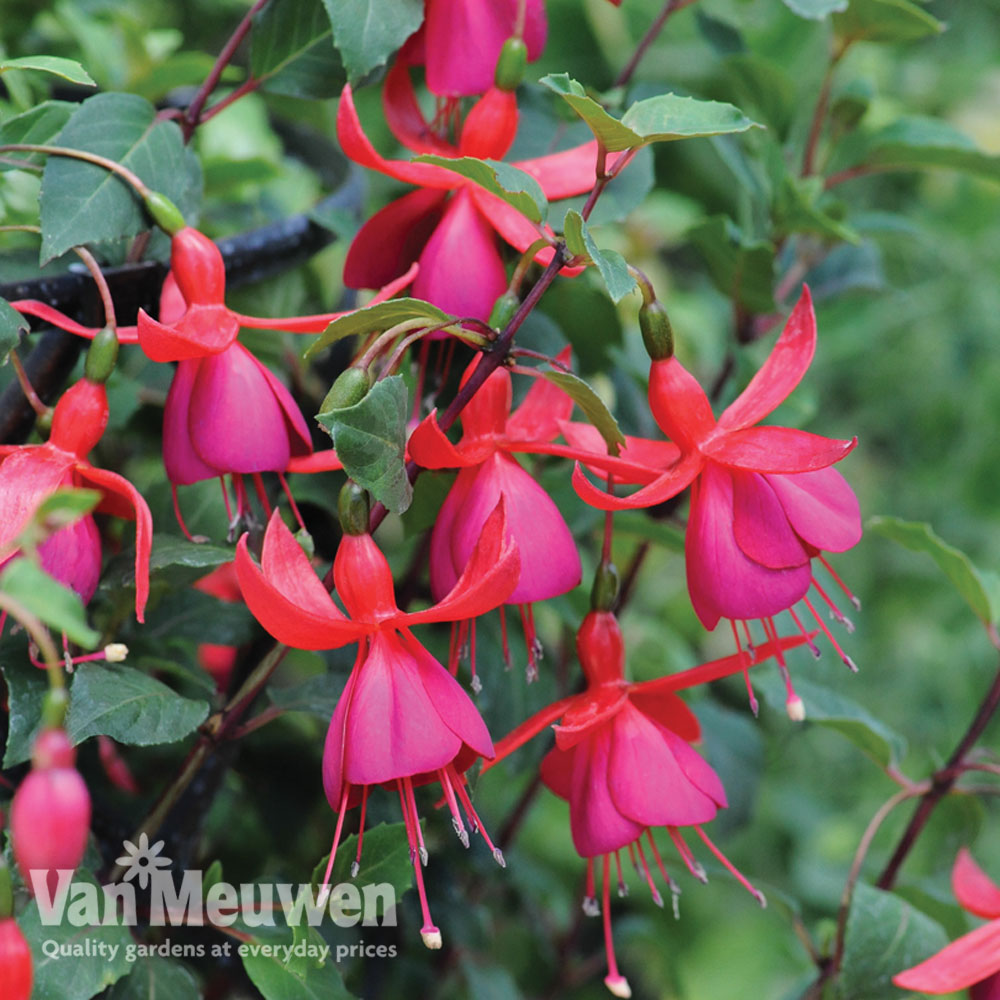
{"type": "Point", "coordinates": [973, 888]}
{"type": "Point", "coordinates": [528, 729]}
{"type": "Point", "coordinates": [668, 710]}
{"type": "Point", "coordinates": [389, 699]}
{"type": "Point", "coordinates": [73, 556]}
{"type": "Point", "coordinates": [822, 509]}
{"type": "Point", "coordinates": [319, 461]}
{"type": "Point", "coordinates": [556, 772]}
{"type": "Point", "coordinates": [363, 579]}
{"type": "Point", "coordinates": [299, 438]}
{"type": "Point", "coordinates": [544, 407]}
{"type": "Point", "coordinates": [429, 447]}
{"type": "Point", "coordinates": [335, 744]}
{"type": "Point", "coordinates": [776, 449]}
{"type": "Point", "coordinates": [665, 486]}
{"type": "Point", "coordinates": [564, 174]}
{"type": "Point", "coordinates": [27, 477]}
{"type": "Point", "coordinates": [965, 961]}
{"type": "Point", "coordinates": [403, 115]}
{"type": "Point", "coordinates": [761, 526]}
{"type": "Point", "coordinates": [640, 461]}
{"type": "Point", "coordinates": [515, 228]}
{"type": "Point", "coordinates": [392, 239]}
{"type": "Point", "coordinates": [461, 271]}
{"type": "Point", "coordinates": [235, 422]}
{"type": "Point", "coordinates": [781, 373]}
{"type": "Point", "coordinates": [645, 777]}
{"type": "Point", "coordinates": [490, 126]}
{"type": "Point", "coordinates": [679, 404]}
{"type": "Point", "coordinates": [722, 580]}
{"type": "Point", "coordinates": [593, 708]}
{"type": "Point", "coordinates": [443, 573]}
{"type": "Point", "coordinates": [182, 462]}
{"type": "Point", "coordinates": [202, 330]}
{"type": "Point", "coordinates": [31, 307]}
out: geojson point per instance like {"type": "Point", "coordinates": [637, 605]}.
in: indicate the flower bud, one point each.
{"type": "Point", "coordinates": [511, 65]}
{"type": "Point", "coordinates": [503, 310]}
{"type": "Point", "coordinates": [15, 962]}
{"type": "Point", "coordinates": [164, 212]}
{"type": "Point", "coordinates": [102, 355]}
{"type": "Point", "coordinates": [353, 508]}
{"type": "Point", "coordinates": [657, 333]}
{"type": "Point", "coordinates": [52, 749]}
{"type": "Point", "coordinates": [601, 648]}
{"type": "Point", "coordinates": [198, 268]}
{"type": "Point", "coordinates": [351, 386]}
{"type": "Point", "coordinates": [80, 418]}
{"type": "Point", "coordinates": [604, 593]}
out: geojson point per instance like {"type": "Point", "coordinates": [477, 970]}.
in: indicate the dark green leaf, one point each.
{"type": "Point", "coordinates": [367, 32]}
{"type": "Point", "coordinates": [592, 405]}
{"type": "Point", "coordinates": [611, 265]}
{"type": "Point", "coordinates": [885, 935]}
{"type": "Point", "coordinates": [370, 439]}
{"type": "Point", "coordinates": [741, 269]}
{"type": "Point", "coordinates": [885, 21]}
{"type": "Point", "coordinates": [128, 706]}
{"type": "Point", "coordinates": [800, 209]}
{"type": "Point", "coordinates": [836, 711]}
{"type": "Point", "coordinates": [12, 325]}
{"type": "Point", "coordinates": [317, 695]}
{"type": "Point", "coordinates": [26, 689]}
{"type": "Point", "coordinates": [185, 613]}
{"type": "Point", "coordinates": [180, 561]}
{"type": "Point", "coordinates": [292, 50]}
{"type": "Point", "coordinates": [84, 203]}
{"type": "Point", "coordinates": [156, 979]}
{"type": "Point", "coordinates": [377, 318]}
{"type": "Point", "coordinates": [55, 605]}
{"type": "Point", "coordinates": [514, 186]}
{"type": "Point", "coordinates": [68, 69]}
{"type": "Point", "coordinates": [303, 978]}
{"type": "Point", "coordinates": [956, 565]}
{"type": "Point", "coordinates": [815, 10]}
{"type": "Point", "coordinates": [36, 127]}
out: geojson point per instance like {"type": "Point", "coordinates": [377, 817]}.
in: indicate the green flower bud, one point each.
{"type": "Point", "coordinates": [354, 509]}
{"type": "Point", "coordinates": [350, 387]}
{"type": "Point", "coordinates": [102, 355]}
{"type": "Point", "coordinates": [511, 65]}
{"type": "Point", "coordinates": [604, 593]}
{"type": "Point", "coordinates": [503, 310]}
{"type": "Point", "coordinates": [164, 212]}
{"type": "Point", "coordinates": [657, 333]}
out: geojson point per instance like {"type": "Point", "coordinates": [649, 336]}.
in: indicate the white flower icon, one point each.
{"type": "Point", "coordinates": [143, 860]}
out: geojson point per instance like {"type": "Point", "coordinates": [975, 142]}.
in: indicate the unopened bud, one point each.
{"type": "Point", "coordinates": [164, 212]}
{"type": "Point", "coordinates": [503, 310]}
{"type": "Point", "coordinates": [350, 387]}
{"type": "Point", "coordinates": [52, 748]}
{"type": "Point", "coordinates": [604, 593]}
{"type": "Point", "coordinates": [353, 508]}
{"type": "Point", "coordinates": [115, 652]}
{"type": "Point", "coordinates": [657, 333]}
{"type": "Point", "coordinates": [511, 65]}
{"type": "Point", "coordinates": [102, 356]}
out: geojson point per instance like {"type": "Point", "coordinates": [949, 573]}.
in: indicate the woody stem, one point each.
{"type": "Point", "coordinates": [669, 8]}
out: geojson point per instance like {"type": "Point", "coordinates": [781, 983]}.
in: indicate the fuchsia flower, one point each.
{"type": "Point", "coordinates": [30, 473]}
{"type": "Point", "coordinates": [402, 719]}
{"type": "Point", "coordinates": [764, 500]}
{"type": "Point", "coordinates": [972, 961]}
{"type": "Point", "coordinates": [449, 225]}
{"type": "Point", "coordinates": [460, 41]}
{"type": "Point", "coordinates": [624, 763]}
{"type": "Point", "coordinates": [491, 434]}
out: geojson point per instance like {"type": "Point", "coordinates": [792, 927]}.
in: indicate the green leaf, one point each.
{"type": "Point", "coordinates": [917, 536]}
{"type": "Point", "coordinates": [592, 405]}
{"type": "Point", "coordinates": [836, 711]}
{"type": "Point", "coordinates": [185, 613]}
{"type": "Point", "coordinates": [884, 936]}
{"type": "Point", "coordinates": [43, 596]}
{"type": "Point", "coordinates": [519, 189]}
{"type": "Point", "coordinates": [292, 50]}
{"type": "Point", "coordinates": [609, 263]}
{"type": "Point", "coordinates": [377, 318]}
{"type": "Point", "coordinates": [367, 32]}
{"type": "Point", "coordinates": [799, 209]}
{"type": "Point", "coordinates": [386, 858]}
{"type": "Point", "coordinates": [66, 506]}
{"type": "Point", "coordinates": [26, 690]}
{"type": "Point", "coordinates": [84, 203]}
{"type": "Point", "coordinates": [128, 706]}
{"type": "Point", "coordinates": [154, 978]}
{"type": "Point", "coordinates": [12, 325]}
{"type": "Point", "coordinates": [670, 117]}
{"type": "Point", "coordinates": [68, 69]}
{"type": "Point", "coordinates": [609, 130]}
{"type": "Point", "coordinates": [317, 695]}
{"type": "Point", "coordinates": [741, 269]}
{"type": "Point", "coordinates": [370, 439]}
{"type": "Point", "coordinates": [885, 21]}
{"type": "Point", "coordinates": [36, 127]}
{"type": "Point", "coordinates": [307, 977]}
{"type": "Point", "coordinates": [815, 10]}
{"type": "Point", "coordinates": [99, 958]}
{"type": "Point", "coordinates": [181, 562]}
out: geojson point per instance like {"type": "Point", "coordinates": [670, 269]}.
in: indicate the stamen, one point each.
{"type": "Point", "coordinates": [731, 868]}
{"type": "Point", "coordinates": [851, 665]}
{"type": "Point", "coordinates": [614, 980]}
{"type": "Point", "coordinates": [177, 513]}
{"type": "Point", "coordinates": [477, 684]}
{"type": "Point", "coordinates": [534, 647]}
{"type": "Point", "coordinates": [840, 583]}
{"type": "Point", "coordinates": [356, 864]}
{"type": "Point", "coordinates": [324, 890]}
{"type": "Point", "coordinates": [653, 891]}
{"type": "Point", "coordinates": [258, 484]}
{"type": "Point", "coordinates": [477, 823]}
{"type": "Point", "coordinates": [291, 501]}
{"type": "Point", "coordinates": [794, 705]}
{"type": "Point", "coordinates": [225, 496]}
{"type": "Point", "coordinates": [412, 803]}
{"type": "Point", "coordinates": [456, 816]}
{"type": "Point", "coordinates": [813, 648]}
{"type": "Point", "coordinates": [751, 649]}
{"type": "Point", "coordinates": [453, 648]}
{"type": "Point", "coordinates": [634, 859]}
{"type": "Point", "coordinates": [590, 904]}
{"type": "Point", "coordinates": [835, 613]}
{"type": "Point", "coordinates": [622, 887]}
{"type": "Point", "coordinates": [686, 856]}
{"type": "Point", "coordinates": [503, 638]}
{"type": "Point", "coordinates": [674, 888]}
{"type": "Point", "coordinates": [430, 934]}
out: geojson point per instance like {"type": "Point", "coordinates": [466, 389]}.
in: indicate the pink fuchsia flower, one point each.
{"type": "Point", "coordinates": [491, 435]}
{"type": "Point", "coordinates": [460, 41]}
{"type": "Point", "coordinates": [31, 473]}
{"type": "Point", "coordinates": [764, 500]}
{"type": "Point", "coordinates": [624, 762]}
{"type": "Point", "coordinates": [972, 961]}
{"type": "Point", "coordinates": [450, 224]}
{"type": "Point", "coordinates": [402, 720]}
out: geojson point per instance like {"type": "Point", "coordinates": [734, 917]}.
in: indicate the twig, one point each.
{"type": "Point", "coordinates": [670, 7]}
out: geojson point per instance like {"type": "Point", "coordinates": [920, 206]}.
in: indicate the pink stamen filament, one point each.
{"type": "Point", "coordinates": [428, 931]}
{"type": "Point", "coordinates": [291, 501]}
{"type": "Point", "coordinates": [225, 496]}
{"type": "Point", "coordinates": [336, 839]}
{"type": "Point", "coordinates": [686, 856]}
{"type": "Point", "coordinates": [792, 700]}
{"type": "Point", "coordinates": [476, 822]}
{"type": "Point", "coordinates": [456, 816]}
{"type": "Point", "coordinates": [852, 666]}
{"type": "Point", "coordinates": [177, 514]}
{"type": "Point", "coordinates": [622, 887]}
{"type": "Point", "coordinates": [648, 876]}
{"type": "Point", "coordinates": [614, 980]}
{"type": "Point", "coordinates": [258, 484]}
{"type": "Point", "coordinates": [813, 648]}
{"type": "Point", "coordinates": [754, 705]}
{"type": "Point", "coordinates": [503, 638]}
{"type": "Point", "coordinates": [835, 612]}
{"type": "Point", "coordinates": [590, 907]}
{"type": "Point", "coordinates": [731, 868]}
{"type": "Point", "coordinates": [840, 583]}
{"type": "Point", "coordinates": [412, 802]}
{"type": "Point", "coordinates": [356, 866]}
{"type": "Point", "coordinates": [671, 884]}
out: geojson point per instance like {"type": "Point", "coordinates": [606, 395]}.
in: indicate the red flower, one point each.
{"type": "Point", "coordinates": [30, 473]}
{"type": "Point", "coordinates": [402, 719]}
{"type": "Point", "coordinates": [764, 500]}
{"type": "Point", "coordinates": [624, 763]}
{"type": "Point", "coordinates": [973, 960]}
{"type": "Point", "coordinates": [449, 225]}
{"type": "Point", "coordinates": [15, 962]}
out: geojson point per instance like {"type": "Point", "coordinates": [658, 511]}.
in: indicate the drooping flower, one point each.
{"type": "Point", "coordinates": [15, 962]}
{"type": "Point", "coordinates": [402, 719]}
{"type": "Point", "coordinates": [624, 762]}
{"type": "Point", "coordinates": [460, 41]}
{"type": "Point", "coordinates": [972, 961]}
{"type": "Point", "coordinates": [764, 500]}
{"type": "Point", "coordinates": [491, 434]}
{"type": "Point", "coordinates": [450, 224]}
{"type": "Point", "coordinates": [31, 473]}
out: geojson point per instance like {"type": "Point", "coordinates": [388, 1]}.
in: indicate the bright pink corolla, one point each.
{"type": "Point", "coordinates": [972, 961]}
{"type": "Point", "coordinates": [624, 762]}
{"type": "Point", "coordinates": [31, 473]}
{"type": "Point", "coordinates": [460, 41]}
{"type": "Point", "coordinates": [402, 719]}
{"type": "Point", "coordinates": [450, 224]}
{"type": "Point", "coordinates": [764, 500]}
